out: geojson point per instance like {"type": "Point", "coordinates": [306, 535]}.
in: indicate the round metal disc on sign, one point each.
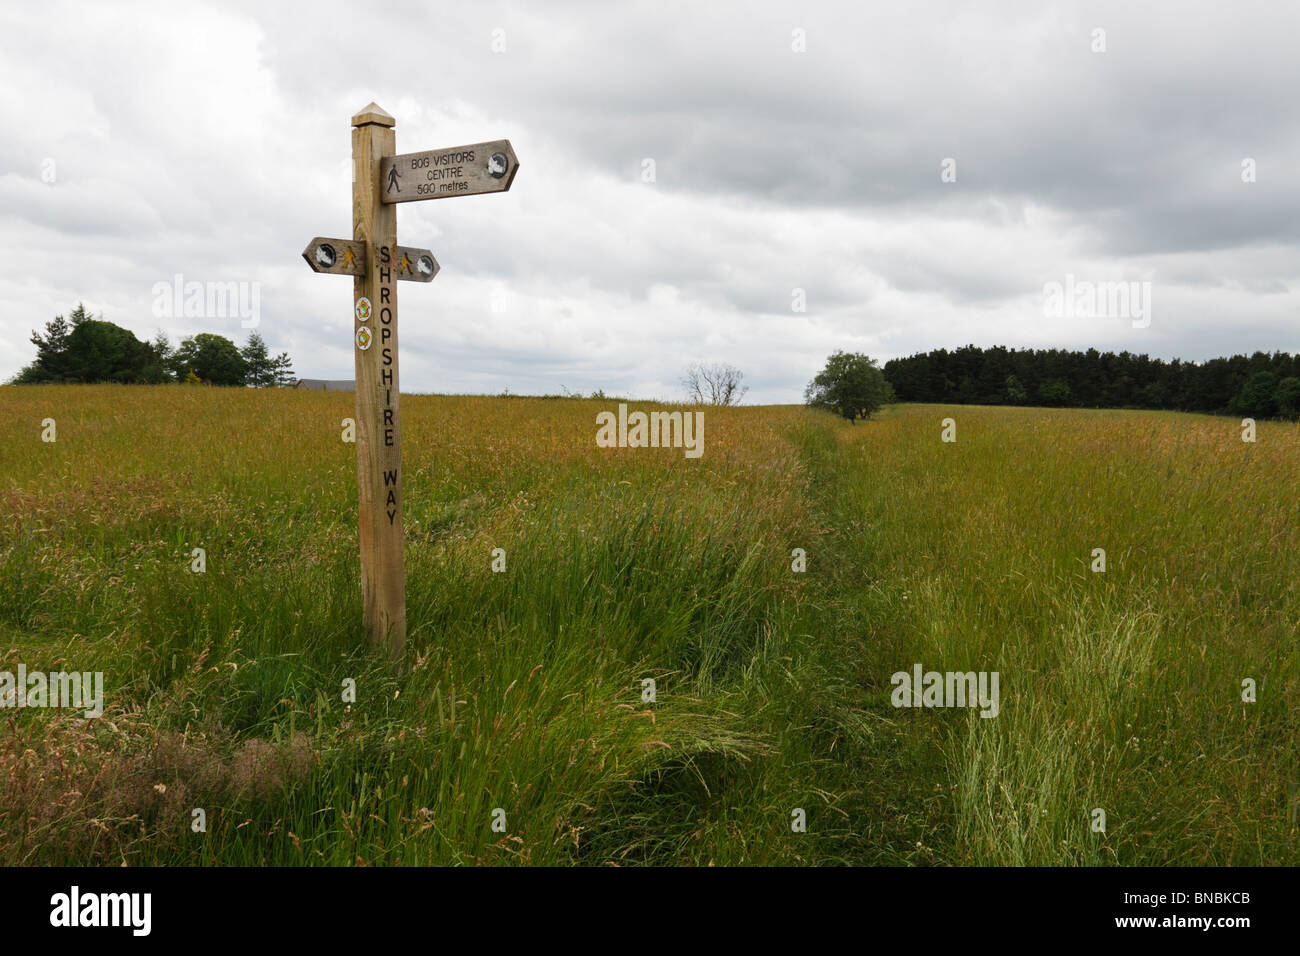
{"type": "Point", "coordinates": [363, 338]}
{"type": "Point", "coordinates": [497, 165]}
{"type": "Point", "coordinates": [325, 255]}
{"type": "Point", "coordinates": [363, 309]}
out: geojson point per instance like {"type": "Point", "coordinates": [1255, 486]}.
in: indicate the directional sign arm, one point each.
{"type": "Point", "coordinates": [347, 257]}
{"type": "Point", "coordinates": [443, 173]}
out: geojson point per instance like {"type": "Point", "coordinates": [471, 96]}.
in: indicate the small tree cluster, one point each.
{"type": "Point", "coordinates": [88, 350]}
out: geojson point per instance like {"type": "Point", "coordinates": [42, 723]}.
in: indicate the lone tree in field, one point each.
{"type": "Point", "coordinates": [714, 384]}
{"type": "Point", "coordinates": [851, 385]}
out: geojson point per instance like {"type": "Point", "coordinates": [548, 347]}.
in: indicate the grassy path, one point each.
{"type": "Point", "coordinates": [1120, 690]}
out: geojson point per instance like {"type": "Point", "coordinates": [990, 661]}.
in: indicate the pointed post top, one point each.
{"type": "Point", "coordinates": [373, 115]}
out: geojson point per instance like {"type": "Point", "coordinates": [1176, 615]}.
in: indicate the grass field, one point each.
{"type": "Point", "coordinates": [521, 697]}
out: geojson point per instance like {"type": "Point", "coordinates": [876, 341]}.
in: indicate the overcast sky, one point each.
{"type": "Point", "coordinates": [795, 146]}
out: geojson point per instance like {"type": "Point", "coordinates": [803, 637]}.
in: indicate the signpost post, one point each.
{"type": "Point", "coordinates": [380, 179]}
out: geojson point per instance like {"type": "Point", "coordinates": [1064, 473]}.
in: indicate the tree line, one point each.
{"type": "Point", "coordinates": [1260, 385]}
{"type": "Point", "coordinates": [82, 349]}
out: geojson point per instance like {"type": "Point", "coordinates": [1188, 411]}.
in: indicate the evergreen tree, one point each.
{"type": "Point", "coordinates": [158, 370]}
{"type": "Point", "coordinates": [284, 376]}
{"type": "Point", "coordinates": [100, 351]}
{"type": "Point", "coordinates": [261, 368]}
{"type": "Point", "coordinates": [50, 352]}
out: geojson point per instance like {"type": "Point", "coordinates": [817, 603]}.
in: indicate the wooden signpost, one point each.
{"type": "Point", "coordinates": [347, 257]}
{"type": "Point", "coordinates": [375, 261]}
{"type": "Point", "coordinates": [440, 173]}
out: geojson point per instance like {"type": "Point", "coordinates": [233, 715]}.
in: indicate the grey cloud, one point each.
{"type": "Point", "coordinates": [212, 141]}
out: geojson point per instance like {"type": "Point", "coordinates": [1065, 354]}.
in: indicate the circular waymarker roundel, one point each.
{"type": "Point", "coordinates": [425, 265]}
{"type": "Point", "coordinates": [497, 165]}
{"type": "Point", "coordinates": [363, 337]}
{"type": "Point", "coordinates": [325, 255]}
{"type": "Point", "coordinates": [363, 309]}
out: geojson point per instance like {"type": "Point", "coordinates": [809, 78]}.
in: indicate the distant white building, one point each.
{"type": "Point", "coordinates": [327, 384]}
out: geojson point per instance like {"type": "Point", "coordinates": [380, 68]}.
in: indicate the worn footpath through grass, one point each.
{"type": "Point", "coordinates": [518, 727]}
{"type": "Point", "coordinates": [1121, 690]}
